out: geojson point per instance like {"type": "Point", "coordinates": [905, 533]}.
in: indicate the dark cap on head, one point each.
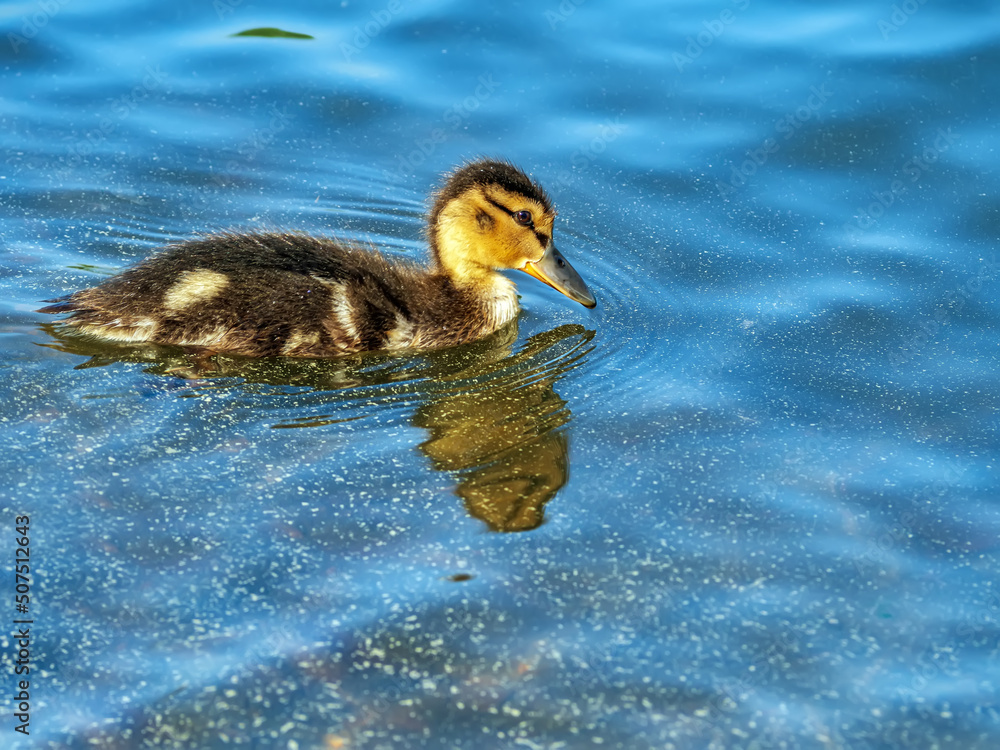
{"type": "Point", "coordinates": [488, 172]}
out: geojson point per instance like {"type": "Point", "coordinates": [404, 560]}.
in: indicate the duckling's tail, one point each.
{"type": "Point", "coordinates": [65, 304]}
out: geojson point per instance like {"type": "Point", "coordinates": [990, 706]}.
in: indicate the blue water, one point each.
{"type": "Point", "coordinates": [749, 501]}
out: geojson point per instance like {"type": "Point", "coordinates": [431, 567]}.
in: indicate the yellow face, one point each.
{"type": "Point", "coordinates": [487, 227]}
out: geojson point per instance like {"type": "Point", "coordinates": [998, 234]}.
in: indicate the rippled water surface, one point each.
{"type": "Point", "coordinates": [749, 501]}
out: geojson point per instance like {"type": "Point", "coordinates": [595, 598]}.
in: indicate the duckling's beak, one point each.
{"type": "Point", "coordinates": [556, 271]}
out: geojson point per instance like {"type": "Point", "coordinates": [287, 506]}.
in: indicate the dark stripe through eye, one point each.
{"type": "Point", "coordinates": [524, 219]}
{"type": "Point", "coordinates": [521, 217]}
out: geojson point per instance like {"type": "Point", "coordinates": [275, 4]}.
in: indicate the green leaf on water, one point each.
{"type": "Point", "coordinates": [93, 269]}
{"type": "Point", "coordinates": [270, 31]}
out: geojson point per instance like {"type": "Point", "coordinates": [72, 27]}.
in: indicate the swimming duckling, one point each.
{"type": "Point", "coordinates": [264, 294]}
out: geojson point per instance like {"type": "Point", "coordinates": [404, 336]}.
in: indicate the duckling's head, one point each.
{"type": "Point", "coordinates": [491, 215]}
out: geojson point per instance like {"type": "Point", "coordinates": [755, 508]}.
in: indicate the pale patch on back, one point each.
{"type": "Point", "coordinates": [300, 340]}
{"type": "Point", "coordinates": [403, 336]}
{"type": "Point", "coordinates": [134, 331]}
{"type": "Point", "coordinates": [215, 338]}
{"type": "Point", "coordinates": [343, 312]}
{"type": "Point", "coordinates": [195, 286]}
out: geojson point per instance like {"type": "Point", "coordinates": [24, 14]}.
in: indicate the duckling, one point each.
{"type": "Point", "coordinates": [290, 294]}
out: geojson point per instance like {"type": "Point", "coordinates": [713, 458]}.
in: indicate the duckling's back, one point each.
{"type": "Point", "coordinates": [276, 294]}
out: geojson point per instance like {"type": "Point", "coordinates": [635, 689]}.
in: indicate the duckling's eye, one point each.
{"type": "Point", "coordinates": [523, 218]}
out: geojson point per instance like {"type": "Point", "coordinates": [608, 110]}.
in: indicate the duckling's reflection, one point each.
{"type": "Point", "coordinates": [503, 437]}
{"type": "Point", "coordinates": [494, 417]}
